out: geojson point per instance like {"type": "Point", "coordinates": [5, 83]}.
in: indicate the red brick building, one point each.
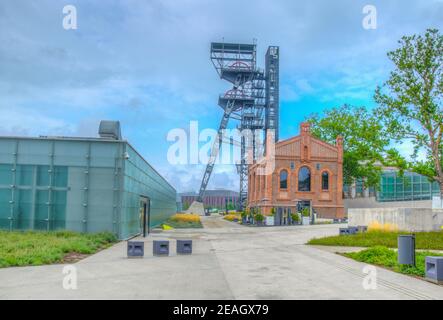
{"type": "Point", "coordinates": [307, 172]}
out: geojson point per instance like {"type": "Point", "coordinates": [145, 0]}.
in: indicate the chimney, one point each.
{"type": "Point", "coordinates": [110, 130]}
{"type": "Point", "coordinates": [305, 128]}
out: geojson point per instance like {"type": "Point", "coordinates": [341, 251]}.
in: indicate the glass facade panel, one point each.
{"type": "Point", "coordinates": [25, 175]}
{"type": "Point", "coordinates": [5, 208]}
{"type": "Point", "coordinates": [41, 210]}
{"type": "Point", "coordinates": [23, 210]}
{"type": "Point", "coordinates": [141, 180]}
{"type": "Point", "coordinates": [79, 185]}
{"type": "Point", "coordinates": [60, 176]}
{"type": "Point", "coordinates": [410, 187]}
{"type": "Point", "coordinates": [58, 210]}
{"type": "Point", "coordinates": [43, 176]}
{"type": "Point", "coordinates": [5, 174]}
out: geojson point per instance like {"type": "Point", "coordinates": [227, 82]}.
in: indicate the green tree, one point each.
{"type": "Point", "coordinates": [364, 144]}
{"type": "Point", "coordinates": [410, 102]}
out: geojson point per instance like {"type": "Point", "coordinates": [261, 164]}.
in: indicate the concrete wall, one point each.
{"type": "Point", "coordinates": [406, 219]}
{"type": "Point", "coordinates": [371, 202]}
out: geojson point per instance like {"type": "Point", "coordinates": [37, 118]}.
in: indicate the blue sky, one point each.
{"type": "Point", "coordinates": [146, 63]}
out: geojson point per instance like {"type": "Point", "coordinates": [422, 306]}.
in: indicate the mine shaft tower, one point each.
{"type": "Point", "coordinates": [253, 101]}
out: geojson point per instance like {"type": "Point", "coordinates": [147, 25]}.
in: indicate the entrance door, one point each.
{"type": "Point", "coordinates": [145, 215]}
{"type": "Point", "coordinates": [279, 217]}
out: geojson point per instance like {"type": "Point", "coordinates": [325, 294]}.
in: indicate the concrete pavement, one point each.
{"type": "Point", "coordinates": [229, 262]}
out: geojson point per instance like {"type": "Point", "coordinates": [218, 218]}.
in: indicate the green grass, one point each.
{"type": "Point", "coordinates": [385, 257]}
{"type": "Point", "coordinates": [424, 240]}
{"type": "Point", "coordinates": [40, 248]}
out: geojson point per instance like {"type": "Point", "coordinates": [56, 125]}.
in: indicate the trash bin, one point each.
{"type": "Point", "coordinates": [406, 249]}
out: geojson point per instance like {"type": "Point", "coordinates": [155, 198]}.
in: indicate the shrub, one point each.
{"type": "Point", "coordinates": [259, 217]}
{"type": "Point", "coordinates": [295, 217]}
{"type": "Point", "coordinates": [305, 212]}
{"type": "Point", "coordinates": [182, 217]}
{"type": "Point", "coordinates": [387, 227]}
{"type": "Point", "coordinates": [382, 256]}
{"type": "Point", "coordinates": [231, 217]}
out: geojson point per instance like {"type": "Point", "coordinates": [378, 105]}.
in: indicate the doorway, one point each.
{"type": "Point", "coordinates": [145, 215]}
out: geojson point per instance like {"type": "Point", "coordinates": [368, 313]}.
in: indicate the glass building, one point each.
{"type": "Point", "coordinates": [410, 187]}
{"type": "Point", "coordinates": [393, 187]}
{"type": "Point", "coordinates": [80, 184]}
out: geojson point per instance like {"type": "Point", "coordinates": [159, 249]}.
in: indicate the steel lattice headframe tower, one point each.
{"type": "Point", "coordinates": [253, 101]}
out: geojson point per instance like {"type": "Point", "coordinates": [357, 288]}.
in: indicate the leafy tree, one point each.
{"type": "Point", "coordinates": [410, 102]}
{"type": "Point", "coordinates": [364, 144]}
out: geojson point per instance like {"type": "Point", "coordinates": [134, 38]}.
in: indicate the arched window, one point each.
{"type": "Point", "coordinates": [283, 179]}
{"type": "Point", "coordinates": [325, 181]}
{"type": "Point", "coordinates": [304, 179]}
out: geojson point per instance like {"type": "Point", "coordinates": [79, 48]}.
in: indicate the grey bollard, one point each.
{"type": "Point", "coordinates": [184, 246]}
{"type": "Point", "coordinates": [434, 269]}
{"type": "Point", "coordinates": [136, 249]}
{"type": "Point", "coordinates": [160, 248]}
{"type": "Point", "coordinates": [406, 249]}
{"type": "Point", "coordinates": [353, 230]}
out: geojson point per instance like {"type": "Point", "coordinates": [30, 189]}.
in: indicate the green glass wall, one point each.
{"type": "Point", "coordinates": [80, 185]}
{"type": "Point", "coordinates": [410, 187]}
{"type": "Point", "coordinates": [140, 179]}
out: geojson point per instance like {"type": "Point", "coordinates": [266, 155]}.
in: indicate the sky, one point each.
{"type": "Point", "coordinates": [146, 63]}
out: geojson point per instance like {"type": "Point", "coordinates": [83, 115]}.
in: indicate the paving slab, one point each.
{"type": "Point", "coordinates": [229, 261]}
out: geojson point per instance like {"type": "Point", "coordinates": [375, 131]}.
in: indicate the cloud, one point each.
{"type": "Point", "coordinates": [147, 63]}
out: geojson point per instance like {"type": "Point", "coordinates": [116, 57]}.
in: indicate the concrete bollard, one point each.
{"type": "Point", "coordinates": [160, 248]}
{"type": "Point", "coordinates": [184, 246]}
{"type": "Point", "coordinates": [353, 230]}
{"type": "Point", "coordinates": [136, 249]}
{"type": "Point", "coordinates": [434, 269]}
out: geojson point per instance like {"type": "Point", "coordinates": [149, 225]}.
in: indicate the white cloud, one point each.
{"type": "Point", "coordinates": [147, 62]}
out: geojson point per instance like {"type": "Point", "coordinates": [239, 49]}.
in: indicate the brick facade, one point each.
{"type": "Point", "coordinates": [297, 158]}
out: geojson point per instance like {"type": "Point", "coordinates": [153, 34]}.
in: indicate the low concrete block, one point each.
{"type": "Point", "coordinates": [136, 249]}
{"type": "Point", "coordinates": [161, 248]}
{"type": "Point", "coordinates": [184, 246]}
{"type": "Point", "coordinates": [353, 230]}
{"type": "Point", "coordinates": [434, 269]}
